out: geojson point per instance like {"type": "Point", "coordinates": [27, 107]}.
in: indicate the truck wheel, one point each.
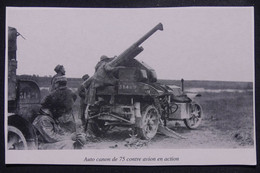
{"type": "Point", "coordinates": [98, 127]}
{"type": "Point", "coordinates": [16, 139]}
{"type": "Point", "coordinates": [195, 113]}
{"type": "Point", "coordinates": [149, 122]}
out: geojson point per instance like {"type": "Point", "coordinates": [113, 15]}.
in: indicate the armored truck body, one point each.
{"type": "Point", "coordinates": [139, 101]}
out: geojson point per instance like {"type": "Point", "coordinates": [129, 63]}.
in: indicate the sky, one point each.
{"type": "Point", "coordinates": [197, 43]}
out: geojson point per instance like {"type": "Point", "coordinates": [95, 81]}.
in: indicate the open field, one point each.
{"type": "Point", "coordinates": [228, 119]}
{"type": "Point", "coordinates": [75, 82]}
{"type": "Point", "coordinates": [230, 114]}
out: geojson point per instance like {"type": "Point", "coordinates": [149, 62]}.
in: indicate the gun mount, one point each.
{"type": "Point", "coordinates": [137, 100]}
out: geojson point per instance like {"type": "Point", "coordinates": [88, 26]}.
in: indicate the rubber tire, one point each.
{"type": "Point", "coordinates": [147, 129]}
{"type": "Point", "coordinates": [15, 131]}
{"type": "Point", "coordinates": [194, 115]}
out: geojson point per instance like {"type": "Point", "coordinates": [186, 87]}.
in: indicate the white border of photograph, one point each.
{"type": "Point", "coordinates": [241, 156]}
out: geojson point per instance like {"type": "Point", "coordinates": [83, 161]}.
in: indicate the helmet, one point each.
{"type": "Point", "coordinates": [85, 77]}
{"type": "Point", "coordinates": [58, 68]}
{"type": "Point", "coordinates": [103, 57]}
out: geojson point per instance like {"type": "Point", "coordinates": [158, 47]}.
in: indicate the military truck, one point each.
{"type": "Point", "coordinates": [139, 101]}
{"type": "Point", "coordinates": [23, 101]}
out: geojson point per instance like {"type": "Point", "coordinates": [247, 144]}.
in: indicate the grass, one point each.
{"type": "Point", "coordinates": [75, 82]}
{"type": "Point", "coordinates": [230, 113]}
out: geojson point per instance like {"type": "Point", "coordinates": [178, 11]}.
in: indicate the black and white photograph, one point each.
{"type": "Point", "coordinates": [139, 86]}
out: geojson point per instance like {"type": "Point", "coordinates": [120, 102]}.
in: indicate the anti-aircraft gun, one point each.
{"type": "Point", "coordinates": [138, 100]}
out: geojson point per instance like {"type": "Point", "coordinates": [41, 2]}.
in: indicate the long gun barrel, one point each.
{"type": "Point", "coordinates": [134, 49]}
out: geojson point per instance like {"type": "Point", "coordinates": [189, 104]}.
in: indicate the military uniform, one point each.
{"type": "Point", "coordinates": [53, 80]}
{"type": "Point", "coordinates": [102, 77]}
{"type": "Point", "coordinates": [51, 135]}
{"type": "Point", "coordinates": [60, 102]}
{"type": "Point", "coordinates": [59, 69]}
{"type": "Point", "coordinates": [82, 91]}
{"type": "Point", "coordinates": [57, 129]}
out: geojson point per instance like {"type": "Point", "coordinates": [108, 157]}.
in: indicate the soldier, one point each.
{"type": "Point", "coordinates": [82, 91]}
{"type": "Point", "coordinates": [103, 59]}
{"type": "Point", "coordinates": [61, 102]}
{"type": "Point", "coordinates": [56, 129]}
{"type": "Point", "coordinates": [53, 136]}
{"type": "Point", "coordinates": [103, 76]}
{"type": "Point", "coordinates": [60, 70]}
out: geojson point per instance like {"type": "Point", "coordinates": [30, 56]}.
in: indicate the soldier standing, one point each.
{"type": "Point", "coordinates": [82, 91]}
{"type": "Point", "coordinates": [60, 70]}
{"type": "Point", "coordinates": [103, 76]}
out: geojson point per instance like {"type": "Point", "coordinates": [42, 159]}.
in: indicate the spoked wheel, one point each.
{"type": "Point", "coordinates": [98, 127]}
{"type": "Point", "coordinates": [16, 139]}
{"type": "Point", "coordinates": [149, 122]}
{"type": "Point", "coordinates": [195, 113]}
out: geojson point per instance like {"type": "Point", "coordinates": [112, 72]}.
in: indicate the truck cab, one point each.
{"type": "Point", "coordinates": [23, 101]}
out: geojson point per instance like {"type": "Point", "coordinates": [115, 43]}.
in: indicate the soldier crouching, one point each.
{"type": "Point", "coordinates": [56, 126]}
{"type": "Point", "coordinates": [52, 136]}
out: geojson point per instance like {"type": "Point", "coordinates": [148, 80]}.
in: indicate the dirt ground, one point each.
{"type": "Point", "coordinates": [203, 137]}
{"type": "Point", "coordinates": [227, 124]}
